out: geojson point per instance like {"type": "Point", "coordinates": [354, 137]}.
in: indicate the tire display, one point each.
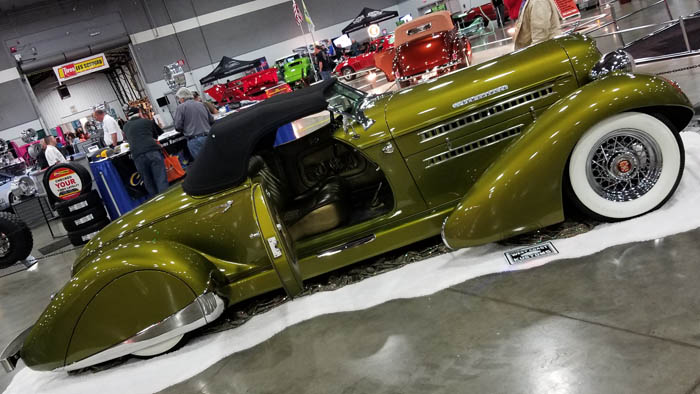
{"type": "Point", "coordinates": [84, 219]}
{"type": "Point", "coordinates": [16, 239]}
{"type": "Point", "coordinates": [65, 181]}
{"type": "Point", "coordinates": [78, 204]}
{"type": "Point", "coordinates": [625, 166]}
{"type": "Point", "coordinates": [85, 234]}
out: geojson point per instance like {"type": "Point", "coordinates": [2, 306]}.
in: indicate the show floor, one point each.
{"type": "Point", "coordinates": [625, 320]}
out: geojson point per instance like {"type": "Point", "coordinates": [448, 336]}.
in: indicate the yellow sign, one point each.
{"type": "Point", "coordinates": [80, 67]}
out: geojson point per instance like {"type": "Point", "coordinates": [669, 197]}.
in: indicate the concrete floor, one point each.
{"type": "Point", "coordinates": [621, 321]}
{"type": "Point", "coordinates": [24, 295]}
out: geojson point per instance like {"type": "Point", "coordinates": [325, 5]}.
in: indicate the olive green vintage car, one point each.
{"type": "Point", "coordinates": [478, 155]}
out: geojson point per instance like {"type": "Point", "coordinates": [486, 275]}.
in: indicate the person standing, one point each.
{"type": "Point", "coordinates": [142, 135]}
{"type": "Point", "coordinates": [538, 21]}
{"type": "Point", "coordinates": [500, 12]}
{"type": "Point", "coordinates": [324, 64]}
{"type": "Point", "coordinates": [53, 155]}
{"type": "Point", "coordinates": [113, 134]}
{"type": "Point", "coordinates": [210, 107]}
{"type": "Point", "coordinates": [193, 120]}
{"type": "Point", "coordinates": [354, 48]}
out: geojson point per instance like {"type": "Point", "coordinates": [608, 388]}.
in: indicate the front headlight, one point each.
{"type": "Point", "coordinates": [618, 60]}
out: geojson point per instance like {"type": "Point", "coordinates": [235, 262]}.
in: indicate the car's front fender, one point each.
{"type": "Point", "coordinates": [522, 190]}
{"type": "Point", "coordinates": [100, 306]}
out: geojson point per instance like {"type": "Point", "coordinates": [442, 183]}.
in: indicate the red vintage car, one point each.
{"type": "Point", "coordinates": [366, 60]}
{"type": "Point", "coordinates": [425, 48]}
{"type": "Point", "coordinates": [251, 87]}
{"type": "Point", "coordinates": [485, 11]}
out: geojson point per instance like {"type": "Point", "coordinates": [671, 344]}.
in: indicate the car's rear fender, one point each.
{"type": "Point", "coordinates": [96, 309]}
{"type": "Point", "coordinates": [522, 190]}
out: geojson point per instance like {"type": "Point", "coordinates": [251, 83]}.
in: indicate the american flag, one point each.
{"type": "Point", "coordinates": [297, 12]}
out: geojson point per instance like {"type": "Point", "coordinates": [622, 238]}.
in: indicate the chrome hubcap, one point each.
{"type": "Point", "coordinates": [4, 245]}
{"type": "Point", "coordinates": [624, 165]}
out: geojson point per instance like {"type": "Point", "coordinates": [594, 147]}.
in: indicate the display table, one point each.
{"type": "Point", "coordinates": [113, 191]}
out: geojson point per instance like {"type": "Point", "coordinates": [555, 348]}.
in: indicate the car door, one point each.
{"type": "Point", "coordinates": [278, 243]}
{"type": "Point", "coordinates": [366, 60]}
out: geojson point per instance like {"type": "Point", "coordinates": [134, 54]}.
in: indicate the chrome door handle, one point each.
{"type": "Point", "coordinates": [388, 148]}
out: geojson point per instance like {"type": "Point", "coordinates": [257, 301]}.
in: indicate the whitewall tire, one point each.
{"type": "Point", "coordinates": [625, 166]}
{"type": "Point", "coordinates": [159, 348]}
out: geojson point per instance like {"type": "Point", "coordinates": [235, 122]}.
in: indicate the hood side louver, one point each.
{"type": "Point", "coordinates": [483, 113]}
{"type": "Point", "coordinates": [473, 146]}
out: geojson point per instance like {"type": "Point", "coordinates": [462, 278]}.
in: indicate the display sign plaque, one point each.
{"type": "Point", "coordinates": [65, 183]}
{"type": "Point", "coordinates": [81, 67]}
{"type": "Point", "coordinates": [567, 8]}
{"type": "Point", "coordinates": [527, 253]}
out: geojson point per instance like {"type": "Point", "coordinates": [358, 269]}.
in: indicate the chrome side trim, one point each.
{"type": "Point", "coordinates": [351, 244]}
{"type": "Point", "coordinates": [478, 115]}
{"type": "Point", "coordinates": [471, 147]}
{"type": "Point", "coordinates": [442, 234]}
{"type": "Point", "coordinates": [10, 355]}
{"type": "Point", "coordinates": [203, 310]}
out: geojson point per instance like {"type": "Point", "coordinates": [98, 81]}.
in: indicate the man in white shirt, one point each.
{"type": "Point", "coordinates": [53, 155]}
{"type": "Point", "coordinates": [113, 133]}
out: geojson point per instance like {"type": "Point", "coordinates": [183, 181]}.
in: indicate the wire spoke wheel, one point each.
{"type": "Point", "coordinates": [624, 165]}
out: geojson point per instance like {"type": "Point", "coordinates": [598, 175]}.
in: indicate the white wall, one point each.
{"type": "Point", "coordinates": [85, 93]}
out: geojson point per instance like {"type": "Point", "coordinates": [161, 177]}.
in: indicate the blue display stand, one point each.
{"type": "Point", "coordinates": [112, 189]}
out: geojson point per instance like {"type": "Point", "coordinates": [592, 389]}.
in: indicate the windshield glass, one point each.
{"type": "Point", "coordinates": [343, 98]}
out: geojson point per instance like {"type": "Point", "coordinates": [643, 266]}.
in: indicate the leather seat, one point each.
{"type": "Point", "coordinates": [321, 208]}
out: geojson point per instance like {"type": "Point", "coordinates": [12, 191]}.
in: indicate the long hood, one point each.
{"type": "Point", "coordinates": [461, 91]}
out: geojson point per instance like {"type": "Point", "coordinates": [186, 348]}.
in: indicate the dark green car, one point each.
{"type": "Point", "coordinates": [478, 155]}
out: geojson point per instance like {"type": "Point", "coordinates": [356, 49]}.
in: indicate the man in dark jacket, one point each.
{"type": "Point", "coordinates": [142, 135]}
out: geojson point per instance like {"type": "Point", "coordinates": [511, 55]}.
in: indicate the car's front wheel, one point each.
{"type": "Point", "coordinates": [625, 166]}
{"type": "Point", "coordinates": [347, 73]}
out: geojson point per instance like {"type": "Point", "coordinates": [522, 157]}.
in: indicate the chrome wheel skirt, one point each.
{"type": "Point", "coordinates": [203, 310]}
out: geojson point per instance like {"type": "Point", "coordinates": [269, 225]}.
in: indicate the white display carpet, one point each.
{"type": "Point", "coordinates": [680, 214]}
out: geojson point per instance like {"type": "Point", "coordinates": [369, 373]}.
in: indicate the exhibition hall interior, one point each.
{"type": "Point", "coordinates": [325, 196]}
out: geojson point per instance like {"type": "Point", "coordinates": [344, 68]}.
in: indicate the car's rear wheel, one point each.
{"type": "Point", "coordinates": [347, 73]}
{"type": "Point", "coordinates": [159, 348]}
{"type": "Point", "coordinates": [625, 166]}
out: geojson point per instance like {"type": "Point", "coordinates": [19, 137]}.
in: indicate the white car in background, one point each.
{"type": "Point", "coordinates": [13, 189]}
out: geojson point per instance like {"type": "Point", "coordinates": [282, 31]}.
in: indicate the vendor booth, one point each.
{"type": "Point", "coordinates": [119, 183]}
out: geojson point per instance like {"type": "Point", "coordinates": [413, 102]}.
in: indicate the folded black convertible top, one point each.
{"type": "Point", "coordinates": [223, 163]}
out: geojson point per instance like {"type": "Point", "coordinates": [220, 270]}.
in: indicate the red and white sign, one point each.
{"type": "Point", "coordinates": [567, 8]}
{"type": "Point", "coordinates": [65, 183]}
{"type": "Point", "coordinates": [81, 67]}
